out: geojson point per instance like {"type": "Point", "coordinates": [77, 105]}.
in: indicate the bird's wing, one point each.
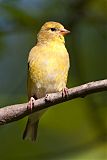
{"type": "Point", "coordinates": [28, 83]}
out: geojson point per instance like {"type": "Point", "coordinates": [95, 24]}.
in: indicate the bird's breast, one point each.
{"type": "Point", "coordinates": [48, 72]}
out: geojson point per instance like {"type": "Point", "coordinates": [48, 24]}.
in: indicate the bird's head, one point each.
{"type": "Point", "coordinates": [52, 31]}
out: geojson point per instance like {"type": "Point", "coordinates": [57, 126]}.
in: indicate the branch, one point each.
{"type": "Point", "coordinates": [18, 111]}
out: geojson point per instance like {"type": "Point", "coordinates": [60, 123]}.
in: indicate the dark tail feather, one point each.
{"type": "Point", "coordinates": [30, 131]}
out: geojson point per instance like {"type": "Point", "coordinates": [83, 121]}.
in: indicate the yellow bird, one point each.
{"type": "Point", "coordinates": [48, 65]}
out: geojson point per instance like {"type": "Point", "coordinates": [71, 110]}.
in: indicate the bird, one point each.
{"type": "Point", "coordinates": [48, 66]}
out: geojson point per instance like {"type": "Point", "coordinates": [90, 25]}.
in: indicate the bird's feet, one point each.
{"type": "Point", "coordinates": [31, 103]}
{"type": "Point", "coordinates": [48, 98]}
{"type": "Point", "coordinates": [65, 92]}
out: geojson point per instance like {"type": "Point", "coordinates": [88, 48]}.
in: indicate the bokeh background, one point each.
{"type": "Point", "coordinates": [73, 130]}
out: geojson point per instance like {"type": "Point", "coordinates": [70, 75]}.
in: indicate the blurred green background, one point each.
{"type": "Point", "coordinates": [73, 130]}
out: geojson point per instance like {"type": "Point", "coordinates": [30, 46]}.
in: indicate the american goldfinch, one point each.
{"type": "Point", "coordinates": [48, 65]}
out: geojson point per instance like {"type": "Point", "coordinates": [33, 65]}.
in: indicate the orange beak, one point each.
{"type": "Point", "coordinates": [64, 31]}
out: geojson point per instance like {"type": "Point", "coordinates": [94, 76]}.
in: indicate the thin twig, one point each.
{"type": "Point", "coordinates": [18, 111]}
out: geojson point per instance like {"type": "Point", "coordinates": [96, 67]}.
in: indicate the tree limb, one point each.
{"type": "Point", "coordinates": [18, 111]}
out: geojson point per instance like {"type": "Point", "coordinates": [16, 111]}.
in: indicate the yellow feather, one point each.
{"type": "Point", "coordinates": [48, 64]}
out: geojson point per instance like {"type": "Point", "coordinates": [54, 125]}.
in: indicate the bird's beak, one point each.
{"type": "Point", "coordinates": [64, 31]}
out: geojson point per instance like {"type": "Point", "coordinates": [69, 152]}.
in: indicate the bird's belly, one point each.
{"type": "Point", "coordinates": [48, 74]}
{"type": "Point", "coordinates": [49, 80]}
{"type": "Point", "coordinates": [49, 85]}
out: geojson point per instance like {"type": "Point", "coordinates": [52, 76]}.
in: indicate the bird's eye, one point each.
{"type": "Point", "coordinates": [53, 29]}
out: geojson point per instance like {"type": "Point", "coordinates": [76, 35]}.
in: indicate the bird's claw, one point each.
{"type": "Point", "coordinates": [47, 98]}
{"type": "Point", "coordinates": [65, 92]}
{"type": "Point", "coordinates": [31, 103]}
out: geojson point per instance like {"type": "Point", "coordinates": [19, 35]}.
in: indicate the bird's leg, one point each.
{"type": "Point", "coordinates": [31, 103]}
{"type": "Point", "coordinates": [65, 92]}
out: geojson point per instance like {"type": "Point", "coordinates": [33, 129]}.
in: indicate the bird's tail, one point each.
{"type": "Point", "coordinates": [30, 131]}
